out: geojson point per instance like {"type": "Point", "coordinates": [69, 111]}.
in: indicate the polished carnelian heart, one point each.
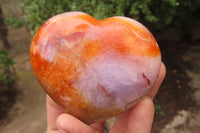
{"type": "Point", "coordinates": [94, 69]}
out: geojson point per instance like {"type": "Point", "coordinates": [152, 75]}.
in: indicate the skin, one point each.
{"type": "Point", "coordinates": [137, 119]}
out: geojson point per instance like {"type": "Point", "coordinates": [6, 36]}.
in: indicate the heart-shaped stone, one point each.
{"type": "Point", "coordinates": [94, 69]}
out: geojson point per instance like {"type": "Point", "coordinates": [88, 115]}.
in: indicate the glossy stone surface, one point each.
{"type": "Point", "coordinates": [94, 69]}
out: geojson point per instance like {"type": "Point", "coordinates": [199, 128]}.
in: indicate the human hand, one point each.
{"type": "Point", "coordinates": [137, 119]}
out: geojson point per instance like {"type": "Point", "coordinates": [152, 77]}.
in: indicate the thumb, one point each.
{"type": "Point", "coordinates": [69, 124]}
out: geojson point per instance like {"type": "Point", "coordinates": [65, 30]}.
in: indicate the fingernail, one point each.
{"type": "Point", "coordinates": [147, 99]}
{"type": "Point", "coordinates": [60, 125]}
{"type": "Point", "coordinates": [60, 129]}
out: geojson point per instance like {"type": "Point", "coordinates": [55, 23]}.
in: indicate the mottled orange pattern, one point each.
{"type": "Point", "coordinates": [63, 45]}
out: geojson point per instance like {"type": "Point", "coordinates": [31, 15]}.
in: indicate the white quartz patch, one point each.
{"type": "Point", "coordinates": [111, 79]}
{"type": "Point", "coordinates": [65, 100]}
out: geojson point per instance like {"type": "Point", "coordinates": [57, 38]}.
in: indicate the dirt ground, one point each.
{"type": "Point", "coordinates": [178, 97]}
{"type": "Point", "coordinates": [188, 120]}
{"type": "Point", "coordinates": [28, 113]}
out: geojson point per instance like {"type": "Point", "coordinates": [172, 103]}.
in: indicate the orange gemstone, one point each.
{"type": "Point", "coordinates": [94, 69]}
